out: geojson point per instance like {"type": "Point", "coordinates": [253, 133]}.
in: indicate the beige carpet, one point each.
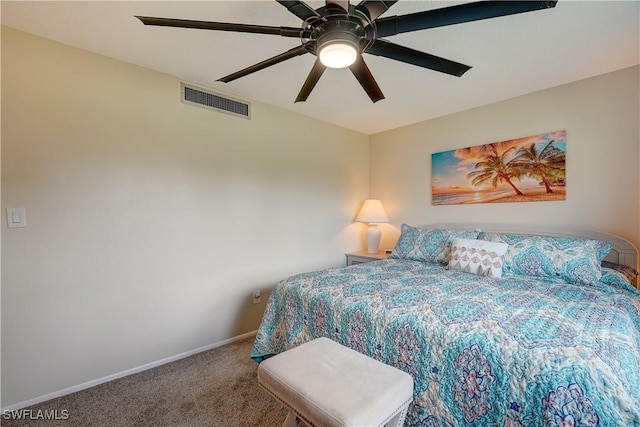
{"type": "Point", "coordinates": [214, 388]}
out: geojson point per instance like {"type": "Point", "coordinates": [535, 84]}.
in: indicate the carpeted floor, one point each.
{"type": "Point", "coordinates": [214, 388]}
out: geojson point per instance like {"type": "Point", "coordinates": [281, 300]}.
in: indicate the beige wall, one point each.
{"type": "Point", "coordinates": [601, 116]}
{"type": "Point", "coordinates": [150, 221]}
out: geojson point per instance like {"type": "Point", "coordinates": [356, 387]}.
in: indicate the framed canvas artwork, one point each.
{"type": "Point", "coordinates": [528, 169]}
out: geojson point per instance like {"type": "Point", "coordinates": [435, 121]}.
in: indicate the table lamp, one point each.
{"type": "Point", "coordinates": [372, 212]}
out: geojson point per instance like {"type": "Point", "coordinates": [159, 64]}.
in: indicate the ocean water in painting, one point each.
{"type": "Point", "coordinates": [478, 197]}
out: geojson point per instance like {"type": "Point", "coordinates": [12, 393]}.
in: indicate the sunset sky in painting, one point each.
{"type": "Point", "coordinates": [449, 169]}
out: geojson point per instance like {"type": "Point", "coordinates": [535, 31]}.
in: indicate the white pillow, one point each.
{"type": "Point", "coordinates": [477, 256]}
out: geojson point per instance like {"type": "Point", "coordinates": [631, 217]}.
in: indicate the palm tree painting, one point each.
{"type": "Point", "coordinates": [519, 170]}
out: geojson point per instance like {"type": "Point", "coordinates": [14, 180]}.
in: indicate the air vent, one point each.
{"type": "Point", "coordinates": [214, 101]}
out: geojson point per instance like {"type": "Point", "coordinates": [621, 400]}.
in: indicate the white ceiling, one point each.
{"type": "Point", "coordinates": [511, 55]}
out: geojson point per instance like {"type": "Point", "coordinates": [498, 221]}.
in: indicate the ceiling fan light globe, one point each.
{"type": "Point", "coordinates": [338, 54]}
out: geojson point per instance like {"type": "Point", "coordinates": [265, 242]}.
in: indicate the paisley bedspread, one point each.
{"type": "Point", "coordinates": [511, 351]}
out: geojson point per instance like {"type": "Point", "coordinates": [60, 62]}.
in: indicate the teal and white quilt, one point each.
{"type": "Point", "coordinates": [513, 351]}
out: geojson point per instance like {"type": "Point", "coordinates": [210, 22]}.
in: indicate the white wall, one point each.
{"type": "Point", "coordinates": [150, 221]}
{"type": "Point", "coordinates": [601, 116]}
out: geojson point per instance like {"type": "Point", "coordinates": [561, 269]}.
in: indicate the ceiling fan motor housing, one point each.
{"type": "Point", "coordinates": [340, 31]}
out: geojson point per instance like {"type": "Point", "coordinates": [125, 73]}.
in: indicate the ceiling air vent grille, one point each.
{"type": "Point", "coordinates": [214, 101]}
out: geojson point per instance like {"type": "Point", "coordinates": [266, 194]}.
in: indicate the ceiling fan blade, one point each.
{"type": "Point", "coordinates": [300, 9]}
{"type": "Point", "coordinates": [291, 53]}
{"type": "Point", "coordinates": [310, 82]}
{"type": "Point", "coordinates": [342, 4]}
{"type": "Point", "coordinates": [222, 26]}
{"type": "Point", "coordinates": [364, 76]}
{"type": "Point", "coordinates": [456, 15]}
{"type": "Point", "coordinates": [415, 57]}
{"type": "Point", "coordinates": [375, 8]}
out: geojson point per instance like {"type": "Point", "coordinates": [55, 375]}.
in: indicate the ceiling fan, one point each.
{"type": "Point", "coordinates": [339, 33]}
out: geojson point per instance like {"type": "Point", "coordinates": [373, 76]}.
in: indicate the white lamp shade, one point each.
{"type": "Point", "coordinates": [372, 211]}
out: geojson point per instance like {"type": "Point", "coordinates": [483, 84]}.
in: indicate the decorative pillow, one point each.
{"type": "Point", "coordinates": [573, 260]}
{"type": "Point", "coordinates": [477, 256]}
{"type": "Point", "coordinates": [430, 245]}
{"type": "Point", "coordinates": [614, 277]}
{"type": "Point", "coordinates": [603, 249]}
{"type": "Point", "coordinates": [629, 273]}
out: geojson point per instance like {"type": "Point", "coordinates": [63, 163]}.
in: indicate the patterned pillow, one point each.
{"type": "Point", "coordinates": [629, 273]}
{"type": "Point", "coordinates": [421, 244]}
{"type": "Point", "coordinates": [477, 256]}
{"type": "Point", "coordinates": [614, 277]}
{"type": "Point", "coordinates": [572, 260]}
{"type": "Point", "coordinates": [603, 249]}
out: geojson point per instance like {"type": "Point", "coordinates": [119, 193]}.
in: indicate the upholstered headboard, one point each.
{"type": "Point", "coordinates": [622, 252]}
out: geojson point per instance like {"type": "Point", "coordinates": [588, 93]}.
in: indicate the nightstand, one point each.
{"type": "Point", "coordinates": [361, 257]}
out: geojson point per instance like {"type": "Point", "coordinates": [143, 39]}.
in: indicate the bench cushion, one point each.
{"type": "Point", "coordinates": [327, 384]}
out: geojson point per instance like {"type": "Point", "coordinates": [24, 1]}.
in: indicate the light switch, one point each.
{"type": "Point", "coordinates": [16, 217]}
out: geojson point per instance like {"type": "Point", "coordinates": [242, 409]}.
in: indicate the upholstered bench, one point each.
{"type": "Point", "coordinates": [325, 384]}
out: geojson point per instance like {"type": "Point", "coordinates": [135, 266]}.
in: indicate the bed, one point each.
{"type": "Point", "coordinates": [546, 333]}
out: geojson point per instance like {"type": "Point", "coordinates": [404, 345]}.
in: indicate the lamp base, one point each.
{"type": "Point", "coordinates": [373, 238]}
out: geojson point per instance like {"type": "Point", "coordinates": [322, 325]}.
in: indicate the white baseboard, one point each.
{"type": "Point", "coordinates": [117, 375]}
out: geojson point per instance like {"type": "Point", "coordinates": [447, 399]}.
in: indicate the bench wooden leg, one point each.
{"type": "Point", "coordinates": [293, 421]}
{"type": "Point", "coordinates": [290, 421]}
